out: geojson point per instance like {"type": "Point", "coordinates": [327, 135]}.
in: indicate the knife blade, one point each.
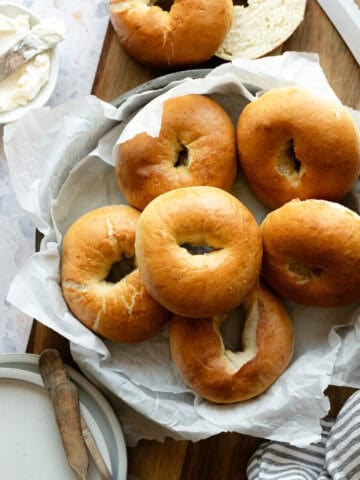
{"type": "Point", "coordinates": [43, 36]}
{"type": "Point", "coordinates": [54, 372]}
{"type": "Point", "coordinates": [345, 16]}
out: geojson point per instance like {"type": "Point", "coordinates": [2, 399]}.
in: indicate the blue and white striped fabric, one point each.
{"type": "Point", "coordinates": [335, 457]}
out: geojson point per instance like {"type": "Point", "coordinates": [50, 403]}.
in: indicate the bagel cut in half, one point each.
{"type": "Point", "coordinates": [260, 27]}
{"type": "Point", "coordinates": [190, 32]}
{"type": "Point", "coordinates": [221, 375]}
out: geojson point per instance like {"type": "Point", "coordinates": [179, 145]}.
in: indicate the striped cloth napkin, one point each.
{"type": "Point", "coordinates": [335, 457]}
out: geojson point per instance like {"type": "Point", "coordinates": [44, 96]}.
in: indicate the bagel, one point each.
{"type": "Point", "coordinates": [195, 146]}
{"type": "Point", "coordinates": [119, 310]}
{"type": "Point", "coordinates": [294, 144]}
{"type": "Point", "coordinates": [190, 32]}
{"type": "Point", "coordinates": [198, 251]}
{"type": "Point", "coordinates": [224, 376]}
{"type": "Point", "coordinates": [312, 253]}
{"type": "Point", "coordinates": [260, 27]}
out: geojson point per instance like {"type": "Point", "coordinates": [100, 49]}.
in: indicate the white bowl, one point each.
{"type": "Point", "coordinates": [46, 91]}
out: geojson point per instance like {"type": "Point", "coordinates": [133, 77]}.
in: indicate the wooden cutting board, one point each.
{"type": "Point", "coordinates": [225, 456]}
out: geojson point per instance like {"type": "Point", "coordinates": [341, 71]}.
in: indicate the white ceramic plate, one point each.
{"type": "Point", "coordinates": [43, 96]}
{"type": "Point", "coordinates": [30, 444]}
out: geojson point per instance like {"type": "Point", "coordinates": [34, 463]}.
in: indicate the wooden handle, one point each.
{"type": "Point", "coordinates": [54, 372]}
{"type": "Point", "coordinates": [52, 369]}
{"type": "Point", "coordinates": [67, 413]}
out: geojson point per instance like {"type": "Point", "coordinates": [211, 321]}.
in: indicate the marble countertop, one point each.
{"type": "Point", "coordinates": [79, 54]}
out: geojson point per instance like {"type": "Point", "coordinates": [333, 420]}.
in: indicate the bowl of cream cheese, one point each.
{"type": "Point", "coordinates": [33, 82]}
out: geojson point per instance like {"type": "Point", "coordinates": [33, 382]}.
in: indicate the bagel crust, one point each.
{"type": "Point", "coordinates": [191, 32]}
{"type": "Point", "coordinates": [121, 311]}
{"type": "Point", "coordinates": [294, 144]}
{"type": "Point", "coordinates": [312, 253]}
{"type": "Point", "coordinates": [198, 285]}
{"type": "Point", "coordinates": [223, 376]}
{"type": "Point", "coordinates": [194, 129]}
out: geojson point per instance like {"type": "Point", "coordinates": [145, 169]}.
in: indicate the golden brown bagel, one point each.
{"type": "Point", "coordinates": [198, 285]}
{"type": "Point", "coordinates": [224, 376]}
{"type": "Point", "coordinates": [121, 311]}
{"type": "Point", "coordinates": [294, 144]}
{"type": "Point", "coordinates": [312, 253]}
{"type": "Point", "coordinates": [196, 146]}
{"type": "Point", "coordinates": [189, 33]}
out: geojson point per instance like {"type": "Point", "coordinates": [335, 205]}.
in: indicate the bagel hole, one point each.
{"type": "Point", "coordinates": [231, 329]}
{"type": "Point", "coordinates": [288, 163]}
{"type": "Point", "coordinates": [120, 269]}
{"type": "Point", "coordinates": [197, 249]}
{"type": "Point", "coordinates": [243, 3]}
{"type": "Point", "coordinates": [163, 4]}
{"type": "Point", "coordinates": [304, 272]}
{"type": "Point", "coordinates": [182, 157]}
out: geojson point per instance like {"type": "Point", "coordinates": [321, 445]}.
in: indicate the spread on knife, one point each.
{"type": "Point", "coordinates": [23, 85]}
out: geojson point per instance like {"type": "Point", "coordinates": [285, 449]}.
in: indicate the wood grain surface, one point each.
{"type": "Point", "coordinates": [225, 456]}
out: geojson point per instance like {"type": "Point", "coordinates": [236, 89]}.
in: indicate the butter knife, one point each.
{"type": "Point", "coordinates": [53, 372]}
{"type": "Point", "coordinates": [64, 396]}
{"type": "Point", "coordinates": [43, 36]}
{"type": "Point", "coordinates": [345, 16]}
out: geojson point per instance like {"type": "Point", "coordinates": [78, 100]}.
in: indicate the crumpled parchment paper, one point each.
{"type": "Point", "coordinates": [61, 166]}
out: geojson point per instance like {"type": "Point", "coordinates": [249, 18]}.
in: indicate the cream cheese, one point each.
{"type": "Point", "coordinates": [23, 85]}
{"type": "Point", "coordinates": [12, 29]}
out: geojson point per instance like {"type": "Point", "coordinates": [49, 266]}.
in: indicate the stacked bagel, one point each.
{"type": "Point", "coordinates": [190, 252]}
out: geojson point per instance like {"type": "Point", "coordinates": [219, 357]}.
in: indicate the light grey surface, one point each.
{"type": "Point", "coordinates": [79, 53]}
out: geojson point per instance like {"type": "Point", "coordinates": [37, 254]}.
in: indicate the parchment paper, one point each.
{"type": "Point", "coordinates": [61, 167]}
